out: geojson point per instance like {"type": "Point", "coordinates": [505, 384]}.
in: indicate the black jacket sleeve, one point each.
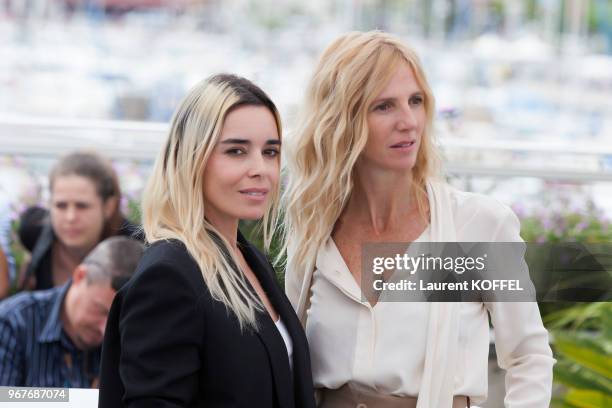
{"type": "Point", "coordinates": [161, 328]}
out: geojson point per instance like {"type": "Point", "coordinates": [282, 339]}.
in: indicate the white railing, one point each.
{"type": "Point", "coordinates": [49, 138]}
{"type": "Point", "coordinates": [55, 137]}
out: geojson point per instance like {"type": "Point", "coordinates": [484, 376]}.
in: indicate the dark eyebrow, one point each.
{"type": "Point", "coordinates": [236, 141]}
{"type": "Point", "coordinates": [248, 142]}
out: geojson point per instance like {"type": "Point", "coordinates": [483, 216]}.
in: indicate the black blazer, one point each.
{"type": "Point", "coordinates": [169, 344]}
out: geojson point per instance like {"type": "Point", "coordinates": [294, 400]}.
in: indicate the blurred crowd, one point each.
{"type": "Point", "coordinates": [79, 253]}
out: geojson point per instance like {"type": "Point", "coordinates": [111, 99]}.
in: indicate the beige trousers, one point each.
{"type": "Point", "coordinates": [349, 397]}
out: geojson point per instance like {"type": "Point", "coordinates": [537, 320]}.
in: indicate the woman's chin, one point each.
{"type": "Point", "coordinates": [252, 216]}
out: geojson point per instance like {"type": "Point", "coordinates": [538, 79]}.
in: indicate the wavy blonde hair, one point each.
{"type": "Point", "coordinates": [173, 204]}
{"type": "Point", "coordinates": [332, 133]}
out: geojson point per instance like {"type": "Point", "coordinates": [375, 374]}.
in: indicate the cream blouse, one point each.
{"type": "Point", "coordinates": [370, 352]}
{"type": "Point", "coordinates": [429, 350]}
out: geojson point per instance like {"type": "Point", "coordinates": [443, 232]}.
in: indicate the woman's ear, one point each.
{"type": "Point", "coordinates": [110, 205]}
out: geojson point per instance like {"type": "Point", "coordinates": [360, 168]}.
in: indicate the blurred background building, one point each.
{"type": "Point", "coordinates": [523, 87]}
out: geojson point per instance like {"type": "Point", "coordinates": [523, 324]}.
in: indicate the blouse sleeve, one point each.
{"type": "Point", "coordinates": [521, 340]}
{"type": "Point", "coordinates": [161, 328]}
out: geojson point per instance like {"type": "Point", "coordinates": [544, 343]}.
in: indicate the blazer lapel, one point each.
{"type": "Point", "coordinates": [279, 361]}
{"type": "Point", "coordinates": [302, 373]}
{"type": "Point", "coordinates": [268, 333]}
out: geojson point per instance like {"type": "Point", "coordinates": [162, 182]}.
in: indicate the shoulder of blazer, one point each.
{"type": "Point", "coordinates": [166, 251]}
{"type": "Point", "coordinates": [172, 257]}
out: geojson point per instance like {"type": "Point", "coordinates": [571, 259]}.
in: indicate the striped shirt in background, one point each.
{"type": "Point", "coordinates": [34, 349]}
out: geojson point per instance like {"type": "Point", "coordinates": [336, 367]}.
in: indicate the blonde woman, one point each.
{"type": "Point", "coordinates": [362, 169]}
{"type": "Point", "coordinates": [203, 322]}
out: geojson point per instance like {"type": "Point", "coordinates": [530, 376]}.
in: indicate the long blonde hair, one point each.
{"type": "Point", "coordinates": [173, 203]}
{"type": "Point", "coordinates": [333, 132]}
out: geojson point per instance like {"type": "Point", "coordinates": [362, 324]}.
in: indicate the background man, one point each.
{"type": "Point", "coordinates": [52, 338]}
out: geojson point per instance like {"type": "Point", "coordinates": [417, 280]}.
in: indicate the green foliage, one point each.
{"type": "Point", "coordinates": [133, 214]}
{"type": "Point", "coordinates": [582, 342]}
{"type": "Point", "coordinates": [252, 230]}
{"type": "Point", "coordinates": [18, 252]}
{"type": "Point", "coordinates": [589, 227]}
{"type": "Point", "coordinates": [581, 333]}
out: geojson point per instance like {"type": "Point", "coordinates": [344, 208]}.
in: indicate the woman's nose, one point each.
{"type": "Point", "coordinates": [407, 119]}
{"type": "Point", "coordinates": [257, 165]}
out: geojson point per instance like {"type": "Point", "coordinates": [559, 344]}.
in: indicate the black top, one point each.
{"type": "Point", "coordinates": [169, 344]}
{"type": "Point", "coordinates": [37, 236]}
